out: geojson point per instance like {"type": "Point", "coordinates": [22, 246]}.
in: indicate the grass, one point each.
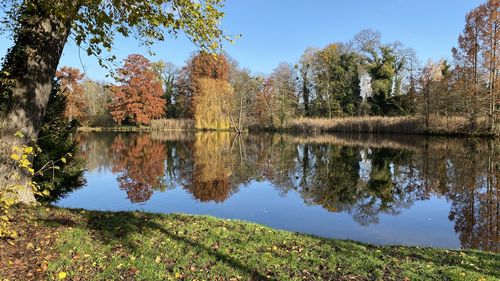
{"type": "Point", "coordinates": [86, 245]}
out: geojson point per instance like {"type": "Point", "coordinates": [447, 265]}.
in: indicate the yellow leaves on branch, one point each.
{"type": "Point", "coordinates": [212, 104]}
{"type": "Point", "coordinates": [22, 157]}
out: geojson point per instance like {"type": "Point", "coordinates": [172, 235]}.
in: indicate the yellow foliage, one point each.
{"type": "Point", "coordinates": [212, 104]}
{"type": "Point", "coordinates": [22, 157]}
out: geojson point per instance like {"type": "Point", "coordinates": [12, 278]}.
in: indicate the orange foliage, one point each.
{"type": "Point", "coordinates": [139, 97]}
{"type": "Point", "coordinates": [70, 87]}
{"type": "Point", "coordinates": [205, 65]}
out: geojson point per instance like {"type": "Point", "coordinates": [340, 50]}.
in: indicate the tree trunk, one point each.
{"type": "Point", "coordinates": [29, 69]}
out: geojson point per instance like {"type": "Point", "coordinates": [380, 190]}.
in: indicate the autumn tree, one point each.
{"type": "Point", "coordinates": [41, 29]}
{"type": "Point", "coordinates": [70, 86]}
{"type": "Point", "coordinates": [139, 97]}
{"type": "Point", "coordinates": [212, 104]}
{"type": "Point", "coordinates": [476, 60]}
{"type": "Point", "coordinates": [489, 36]}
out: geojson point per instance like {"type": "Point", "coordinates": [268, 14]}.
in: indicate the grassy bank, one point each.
{"type": "Point", "coordinates": [84, 245]}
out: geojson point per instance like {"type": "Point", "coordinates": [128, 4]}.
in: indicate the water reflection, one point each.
{"type": "Point", "coordinates": [365, 177]}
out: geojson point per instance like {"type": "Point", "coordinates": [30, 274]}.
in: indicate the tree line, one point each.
{"type": "Point", "coordinates": [363, 76]}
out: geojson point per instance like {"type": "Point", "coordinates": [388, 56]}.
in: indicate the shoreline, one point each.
{"type": "Point", "coordinates": [292, 132]}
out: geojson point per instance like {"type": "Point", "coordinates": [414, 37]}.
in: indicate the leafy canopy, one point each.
{"type": "Point", "coordinates": [96, 22]}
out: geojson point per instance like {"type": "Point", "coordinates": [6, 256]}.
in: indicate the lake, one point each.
{"type": "Point", "coordinates": [385, 190]}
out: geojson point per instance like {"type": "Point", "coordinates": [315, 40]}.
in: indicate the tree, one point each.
{"type": "Point", "coordinates": [306, 77]}
{"type": "Point", "coordinates": [476, 59]}
{"type": "Point", "coordinates": [337, 80]}
{"type": "Point", "coordinates": [71, 88]}
{"type": "Point", "coordinates": [206, 72]}
{"type": "Point", "coordinates": [97, 97]}
{"type": "Point", "coordinates": [245, 88]}
{"type": "Point", "coordinates": [212, 104]}
{"type": "Point", "coordinates": [56, 141]}
{"type": "Point", "coordinates": [284, 86]}
{"type": "Point", "coordinates": [489, 36]}
{"type": "Point", "coordinates": [429, 82]}
{"type": "Point", "coordinates": [139, 97]}
{"type": "Point", "coordinates": [167, 73]}
{"type": "Point", "coordinates": [41, 29]}
{"type": "Point", "coordinates": [266, 104]}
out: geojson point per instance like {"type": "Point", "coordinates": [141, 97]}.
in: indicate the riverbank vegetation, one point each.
{"type": "Point", "coordinates": [360, 85]}
{"type": "Point", "coordinates": [88, 245]}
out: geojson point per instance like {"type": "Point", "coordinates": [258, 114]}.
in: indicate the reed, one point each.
{"type": "Point", "coordinates": [369, 124]}
{"type": "Point", "coordinates": [173, 125]}
{"type": "Point", "coordinates": [438, 125]}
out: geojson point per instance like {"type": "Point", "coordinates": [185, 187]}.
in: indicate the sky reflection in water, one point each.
{"type": "Point", "coordinates": [382, 190]}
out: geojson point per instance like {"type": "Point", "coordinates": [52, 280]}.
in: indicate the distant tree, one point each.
{"type": "Point", "coordinates": [306, 78]}
{"type": "Point", "coordinates": [139, 97]}
{"type": "Point", "coordinates": [72, 89]}
{"type": "Point", "coordinates": [205, 65]}
{"type": "Point", "coordinates": [429, 87]}
{"type": "Point", "coordinates": [167, 73]}
{"type": "Point", "coordinates": [266, 104]}
{"type": "Point", "coordinates": [183, 94]}
{"type": "Point", "coordinates": [97, 97]}
{"type": "Point", "coordinates": [284, 92]}
{"type": "Point", "coordinates": [245, 88]}
{"type": "Point", "coordinates": [337, 82]}
{"type": "Point", "coordinates": [489, 36]}
{"type": "Point", "coordinates": [382, 72]}
{"type": "Point", "coordinates": [476, 59]}
{"type": "Point", "coordinates": [212, 104]}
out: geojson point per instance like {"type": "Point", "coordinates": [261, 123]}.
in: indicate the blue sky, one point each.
{"type": "Point", "coordinates": [277, 31]}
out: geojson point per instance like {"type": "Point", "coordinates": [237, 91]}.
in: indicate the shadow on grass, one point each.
{"type": "Point", "coordinates": [118, 228]}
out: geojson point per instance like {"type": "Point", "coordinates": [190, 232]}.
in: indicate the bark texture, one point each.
{"type": "Point", "coordinates": [29, 70]}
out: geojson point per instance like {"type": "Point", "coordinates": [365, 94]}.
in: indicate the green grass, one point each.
{"type": "Point", "coordinates": [140, 246]}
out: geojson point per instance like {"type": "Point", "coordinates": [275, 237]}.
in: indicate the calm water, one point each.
{"type": "Point", "coordinates": [411, 191]}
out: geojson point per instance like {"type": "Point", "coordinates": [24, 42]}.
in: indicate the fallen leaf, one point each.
{"type": "Point", "coordinates": [62, 275]}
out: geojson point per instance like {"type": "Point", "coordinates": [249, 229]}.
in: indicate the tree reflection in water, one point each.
{"type": "Point", "coordinates": [362, 176]}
